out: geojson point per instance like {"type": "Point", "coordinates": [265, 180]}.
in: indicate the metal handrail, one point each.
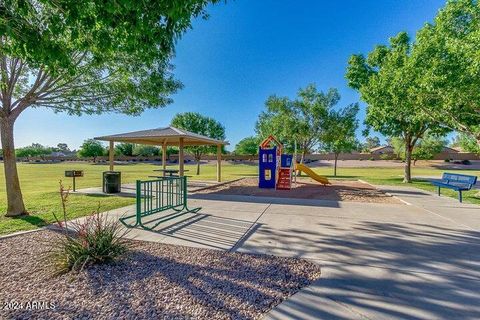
{"type": "Point", "coordinates": [159, 195]}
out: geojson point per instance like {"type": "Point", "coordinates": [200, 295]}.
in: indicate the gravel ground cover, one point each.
{"type": "Point", "coordinates": [339, 190]}
{"type": "Point", "coordinates": [154, 281]}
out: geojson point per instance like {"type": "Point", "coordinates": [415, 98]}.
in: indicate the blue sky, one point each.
{"type": "Point", "coordinates": [246, 51]}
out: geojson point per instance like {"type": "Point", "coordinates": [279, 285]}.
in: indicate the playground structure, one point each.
{"type": "Point", "coordinates": [277, 170]}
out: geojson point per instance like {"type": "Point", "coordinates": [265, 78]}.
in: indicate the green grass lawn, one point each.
{"type": "Point", "coordinates": [40, 185]}
{"type": "Point", "coordinates": [394, 176]}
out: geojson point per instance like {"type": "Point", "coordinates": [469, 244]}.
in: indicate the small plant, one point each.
{"type": "Point", "coordinates": [385, 156]}
{"type": "Point", "coordinates": [95, 239]}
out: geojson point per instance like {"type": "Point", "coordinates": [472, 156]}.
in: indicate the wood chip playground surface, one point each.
{"type": "Point", "coordinates": [305, 188]}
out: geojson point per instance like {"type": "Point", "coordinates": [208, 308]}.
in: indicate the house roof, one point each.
{"type": "Point", "coordinates": [169, 135]}
{"type": "Point", "coordinates": [380, 148]}
{"type": "Point", "coordinates": [448, 149]}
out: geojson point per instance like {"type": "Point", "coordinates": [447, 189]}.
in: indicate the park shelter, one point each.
{"type": "Point", "coordinates": [166, 137]}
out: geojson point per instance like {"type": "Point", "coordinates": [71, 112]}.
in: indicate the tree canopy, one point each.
{"type": "Point", "coordinates": [34, 150]}
{"type": "Point", "coordinates": [387, 82]}
{"type": "Point", "coordinates": [145, 150]}
{"type": "Point", "coordinates": [91, 149]}
{"type": "Point", "coordinates": [339, 134]}
{"type": "Point", "coordinates": [300, 120]}
{"type": "Point", "coordinates": [247, 146]}
{"type": "Point", "coordinates": [427, 147]}
{"type": "Point", "coordinates": [85, 57]}
{"type": "Point", "coordinates": [206, 126]}
{"type": "Point", "coordinates": [63, 147]}
{"type": "Point", "coordinates": [124, 149]}
{"type": "Point", "coordinates": [447, 58]}
{"type": "Point", "coordinates": [467, 143]}
{"type": "Point", "coordinates": [370, 143]}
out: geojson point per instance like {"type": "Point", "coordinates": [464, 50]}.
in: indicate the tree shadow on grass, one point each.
{"type": "Point", "coordinates": [34, 220]}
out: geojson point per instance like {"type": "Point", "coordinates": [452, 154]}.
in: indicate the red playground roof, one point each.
{"type": "Point", "coordinates": [266, 143]}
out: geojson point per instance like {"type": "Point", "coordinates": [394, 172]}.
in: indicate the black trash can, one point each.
{"type": "Point", "coordinates": [112, 181]}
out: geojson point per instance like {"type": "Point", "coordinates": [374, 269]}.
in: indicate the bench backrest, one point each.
{"type": "Point", "coordinates": [459, 180]}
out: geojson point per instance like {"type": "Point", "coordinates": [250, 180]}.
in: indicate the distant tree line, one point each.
{"type": "Point", "coordinates": [39, 150]}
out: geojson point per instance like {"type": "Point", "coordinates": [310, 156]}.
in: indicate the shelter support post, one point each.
{"type": "Point", "coordinates": [181, 161]}
{"type": "Point", "coordinates": [219, 163]}
{"type": "Point", "coordinates": [164, 155]}
{"type": "Point", "coordinates": [111, 152]}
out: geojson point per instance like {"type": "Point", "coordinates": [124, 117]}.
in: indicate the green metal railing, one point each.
{"type": "Point", "coordinates": [159, 195]}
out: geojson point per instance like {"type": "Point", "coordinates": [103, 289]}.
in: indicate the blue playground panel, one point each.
{"type": "Point", "coordinates": [267, 161]}
{"type": "Point", "coordinates": [286, 160]}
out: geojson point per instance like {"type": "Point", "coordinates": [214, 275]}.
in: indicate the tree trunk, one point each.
{"type": "Point", "coordinates": [198, 158]}
{"type": "Point", "coordinates": [15, 206]}
{"type": "Point", "coordinates": [335, 165]}
{"type": "Point", "coordinates": [302, 160]}
{"type": "Point", "coordinates": [407, 178]}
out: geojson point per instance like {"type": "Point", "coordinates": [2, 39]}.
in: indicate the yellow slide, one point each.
{"type": "Point", "coordinates": [309, 172]}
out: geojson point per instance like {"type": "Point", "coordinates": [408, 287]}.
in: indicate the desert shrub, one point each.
{"type": "Point", "coordinates": [95, 239]}
{"type": "Point", "coordinates": [371, 159]}
{"type": "Point", "coordinates": [385, 156]}
{"type": "Point", "coordinates": [446, 160]}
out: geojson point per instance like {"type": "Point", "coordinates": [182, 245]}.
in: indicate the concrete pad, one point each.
{"type": "Point", "coordinates": [267, 200]}
{"type": "Point", "coordinates": [379, 261]}
{"type": "Point", "coordinates": [451, 209]}
{"type": "Point", "coordinates": [407, 246]}
{"type": "Point", "coordinates": [362, 292]}
{"type": "Point", "coordinates": [214, 227]}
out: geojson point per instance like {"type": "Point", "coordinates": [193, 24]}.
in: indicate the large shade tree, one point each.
{"type": "Point", "coordinates": [387, 82]}
{"type": "Point", "coordinates": [205, 126]}
{"type": "Point", "coordinates": [85, 57]}
{"type": "Point", "coordinates": [451, 78]}
{"type": "Point", "coordinates": [300, 120]}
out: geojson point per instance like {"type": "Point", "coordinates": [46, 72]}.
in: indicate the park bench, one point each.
{"type": "Point", "coordinates": [457, 182]}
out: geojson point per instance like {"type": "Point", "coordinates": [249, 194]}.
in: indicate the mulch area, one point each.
{"type": "Point", "coordinates": [154, 281]}
{"type": "Point", "coordinates": [339, 190]}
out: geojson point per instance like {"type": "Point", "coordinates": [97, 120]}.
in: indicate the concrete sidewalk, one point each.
{"type": "Point", "coordinates": [449, 208]}
{"type": "Point", "coordinates": [419, 261]}
{"type": "Point", "coordinates": [379, 261]}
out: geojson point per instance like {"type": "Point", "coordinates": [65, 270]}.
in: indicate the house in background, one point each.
{"type": "Point", "coordinates": [57, 154]}
{"type": "Point", "coordinates": [382, 150]}
{"type": "Point", "coordinates": [451, 150]}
